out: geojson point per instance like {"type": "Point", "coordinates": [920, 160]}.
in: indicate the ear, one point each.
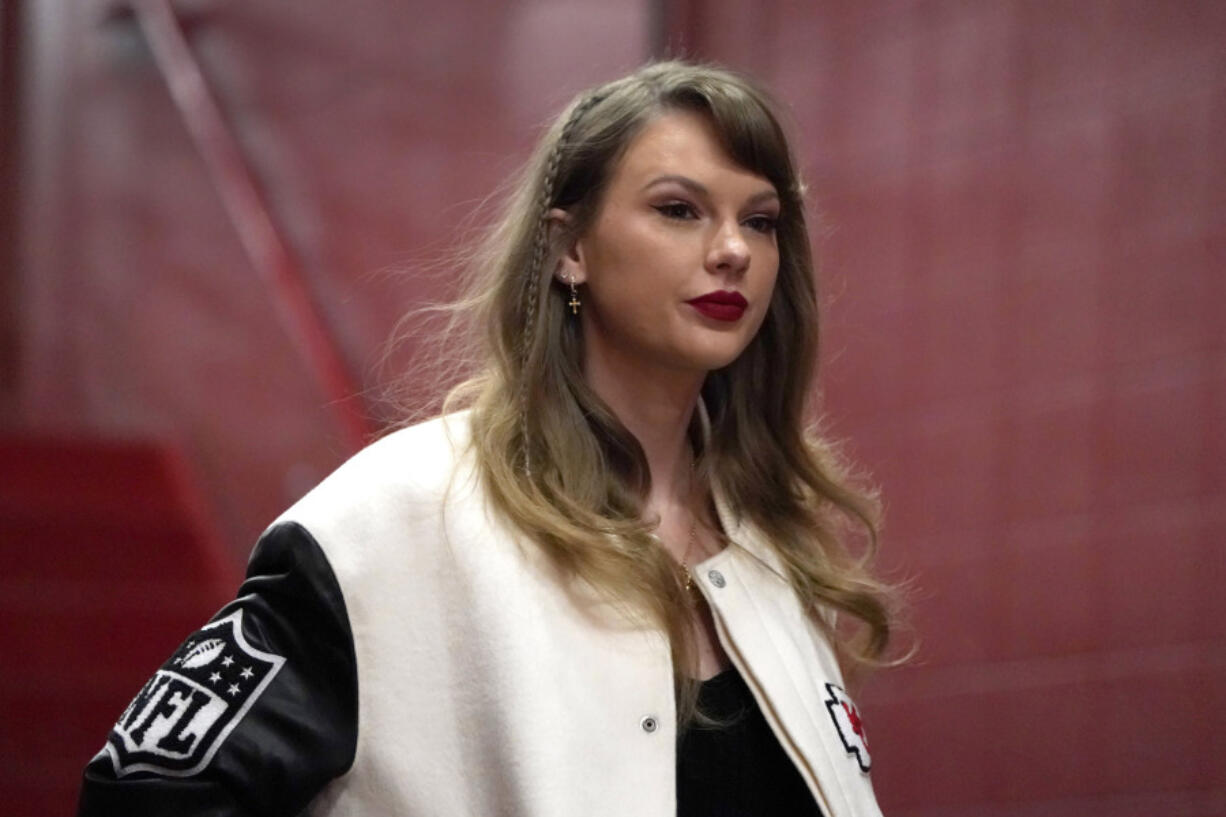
{"type": "Point", "coordinates": [571, 266]}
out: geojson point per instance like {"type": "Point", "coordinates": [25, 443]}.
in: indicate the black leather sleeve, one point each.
{"type": "Point", "coordinates": [254, 713]}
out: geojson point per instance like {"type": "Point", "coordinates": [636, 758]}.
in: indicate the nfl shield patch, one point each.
{"type": "Point", "coordinates": [850, 728]}
{"type": "Point", "coordinates": [180, 717]}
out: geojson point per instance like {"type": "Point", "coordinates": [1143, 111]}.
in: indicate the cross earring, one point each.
{"type": "Point", "coordinates": [573, 303]}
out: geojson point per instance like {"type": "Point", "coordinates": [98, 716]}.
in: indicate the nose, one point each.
{"type": "Point", "coordinates": [728, 252]}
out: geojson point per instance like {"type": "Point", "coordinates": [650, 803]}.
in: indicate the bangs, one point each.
{"type": "Point", "coordinates": [746, 128]}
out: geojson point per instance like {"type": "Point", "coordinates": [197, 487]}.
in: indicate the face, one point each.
{"type": "Point", "coordinates": [680, 261]}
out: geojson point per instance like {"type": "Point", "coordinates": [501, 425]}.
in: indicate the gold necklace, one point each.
{"type": "Point", "coordinates": [689, 541]}
{"type": "Point", "coordinates": [689, 545]}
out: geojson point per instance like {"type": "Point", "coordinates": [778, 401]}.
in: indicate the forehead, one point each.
{"type": "Point", "coordinates": [685, 143]}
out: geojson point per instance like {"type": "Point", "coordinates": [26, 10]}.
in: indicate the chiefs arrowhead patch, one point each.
{"type": "Point", "coordinates": [849, 726]}
{"type": "Point", "coordinates": [184, 712]}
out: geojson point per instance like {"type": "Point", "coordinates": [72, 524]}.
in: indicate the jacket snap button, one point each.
{"type": "Point", "coordinates": [716, 578]}
{"type": "Point", "coordinates": [649, 724]}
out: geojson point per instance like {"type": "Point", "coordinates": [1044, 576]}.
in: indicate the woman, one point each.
{"type": "Point", "coordinates": [608, 585]}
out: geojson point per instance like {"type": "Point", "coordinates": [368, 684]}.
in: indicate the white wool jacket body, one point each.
{"type": "Point", "coordinates": [398, 649]}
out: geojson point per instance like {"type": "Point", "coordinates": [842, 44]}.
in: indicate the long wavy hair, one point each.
{"type": "Point", "coordinates": [559, 465]}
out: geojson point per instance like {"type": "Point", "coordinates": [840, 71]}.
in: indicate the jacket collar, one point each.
{"type": "Point", "coordinates": [742, 534]}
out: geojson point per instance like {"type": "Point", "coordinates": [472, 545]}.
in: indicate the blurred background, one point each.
{"type": "Point", "coordinates": [213, 213]}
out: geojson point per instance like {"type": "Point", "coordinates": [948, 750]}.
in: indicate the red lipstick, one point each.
{"type": "Point", "coordinates": [721, 305]}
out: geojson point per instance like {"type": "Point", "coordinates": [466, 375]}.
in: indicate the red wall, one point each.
{"type": "Point", "coordinates": [1021, 213]}
{"type": "Point", "coordinates": [372, 129]}
{"type": "Point", "coordinates": [1023, 232]}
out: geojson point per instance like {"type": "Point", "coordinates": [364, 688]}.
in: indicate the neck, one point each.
{"type": "Point", "coordinates": [656, 407]}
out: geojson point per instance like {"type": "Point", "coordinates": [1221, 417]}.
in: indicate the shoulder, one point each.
{"type": "Point", "coordinates": [413, 462]}
{"type": "Point", "coordinates": [394, 487]}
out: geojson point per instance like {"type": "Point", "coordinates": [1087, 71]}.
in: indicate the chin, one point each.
{"type": "Point", "coordinates": [708, 360]}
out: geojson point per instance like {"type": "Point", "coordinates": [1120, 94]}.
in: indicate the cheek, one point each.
{"type": "Point", "coordinates": [764, 290]}
{"type": "Point", "coordinates": [771, 265]}
{"type": "Point", "coordinates": [769, 279]}
{"type": "Point", "coordinates": [634, 271]}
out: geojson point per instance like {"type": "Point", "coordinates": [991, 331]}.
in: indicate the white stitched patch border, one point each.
{"type": "Point", "coordinates": [180, 718]}
{"type": "Point", "coordinates": [850, 728]}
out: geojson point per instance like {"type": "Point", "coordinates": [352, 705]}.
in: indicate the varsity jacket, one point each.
{"type": "Point", "coordinates": [398, 649]}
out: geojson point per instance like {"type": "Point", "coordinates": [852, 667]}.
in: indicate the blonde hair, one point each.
{"type": "Point", "coordinates": [558, 464]}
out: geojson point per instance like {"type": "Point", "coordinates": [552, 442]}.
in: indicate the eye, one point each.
{"type": "Point", "coordinates": [677, 210]}
{"type": "Point", "coordinates": [762, 223]}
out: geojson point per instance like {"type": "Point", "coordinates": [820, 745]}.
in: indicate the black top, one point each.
{"type": "Point", "coordinates": [739, 769]}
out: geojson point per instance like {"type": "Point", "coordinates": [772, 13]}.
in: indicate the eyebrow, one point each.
{"type": "Point", "coordinates": [700, 189]}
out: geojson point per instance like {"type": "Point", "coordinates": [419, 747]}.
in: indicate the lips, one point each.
{"type": "Point", "coordinates": [721, 305]}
